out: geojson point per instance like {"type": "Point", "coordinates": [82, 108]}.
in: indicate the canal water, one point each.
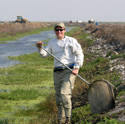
{"type": "Point", "coordinates": [22, 46]}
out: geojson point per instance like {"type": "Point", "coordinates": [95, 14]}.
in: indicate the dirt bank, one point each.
{"type": "Point", "coordinates": [108, 42]}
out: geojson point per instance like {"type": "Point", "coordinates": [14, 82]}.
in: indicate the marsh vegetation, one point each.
{"type": "Point", "coordinates": [27, 93]}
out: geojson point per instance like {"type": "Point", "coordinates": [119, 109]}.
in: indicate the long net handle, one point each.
{"type": "Point", "coordinates": [64, 65]}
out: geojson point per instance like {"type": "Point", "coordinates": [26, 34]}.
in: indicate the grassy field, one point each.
{"type": "Point", "coordinates": [27, 94]}
{"type": "Point", "coordinates": [23, 86]}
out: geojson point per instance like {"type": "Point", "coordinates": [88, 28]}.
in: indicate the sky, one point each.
{"type": "Point", "coordinates": [63, 10]}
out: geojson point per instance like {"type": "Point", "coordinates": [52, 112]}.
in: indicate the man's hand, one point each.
{"type": "Point", "coordinates": [75, 71]}
{"type": "Point", "coordinates": [39, 44]}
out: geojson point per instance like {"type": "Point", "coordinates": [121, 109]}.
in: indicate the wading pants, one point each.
{"type": "Point", "coordinates": [63, 84]}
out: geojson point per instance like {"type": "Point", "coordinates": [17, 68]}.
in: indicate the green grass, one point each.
{"type": "Point", "coordinates": [73, 31]}
{"type": "Point", "coordinates": [98, 69]}
{"type": "Point", "coordinates": [25, 85]}
{"type": "Point", "coordinates": [27, 90]}
{"type": "Point", "coordinates": [83, 115]}
{"type": "Point", "coordinates": [109, 121]}
{"type": "Point", "coordinates": [33, 67]}
{"type": "Point", "coordinates": [20, 94]}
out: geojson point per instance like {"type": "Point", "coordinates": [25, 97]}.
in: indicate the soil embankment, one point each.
{"type": "Point", "coordinates": [108, 42]}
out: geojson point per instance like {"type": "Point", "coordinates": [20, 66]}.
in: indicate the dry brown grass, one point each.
{"type": "Point", "coordinates": [14, 28]}
{"type": "Point", "coordinates": [109, 32]}
{"type": "Point", "coordinates": [112, 33]}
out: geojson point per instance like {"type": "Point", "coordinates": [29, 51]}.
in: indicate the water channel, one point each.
{"type": "Point", "coordinates": [24, 45]}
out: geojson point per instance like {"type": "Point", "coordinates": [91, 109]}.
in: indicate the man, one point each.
{"type": "Point", "coordinates": [69, 52]}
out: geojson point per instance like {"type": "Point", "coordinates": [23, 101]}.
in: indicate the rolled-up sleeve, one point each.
{"type": "Point", "coordinates": [43, 53]}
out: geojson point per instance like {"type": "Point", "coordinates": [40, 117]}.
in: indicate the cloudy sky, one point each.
{"type": "Point", "coordinates": [63, 10]}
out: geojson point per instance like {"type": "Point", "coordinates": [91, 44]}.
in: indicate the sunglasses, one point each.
{"type": "Point", "coordinates": [59, 29]}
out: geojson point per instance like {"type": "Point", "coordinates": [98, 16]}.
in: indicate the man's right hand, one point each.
{"type": "Point", "coordinates": [39, 44]}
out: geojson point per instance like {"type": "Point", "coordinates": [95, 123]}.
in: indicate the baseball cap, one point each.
{"type": "Point", "coordinates": [59, 25]}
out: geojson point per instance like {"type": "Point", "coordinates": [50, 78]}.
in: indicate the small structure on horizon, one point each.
{"type": "Point", "coordinates": [91, 21]}
{"type": "Point", "coordinates": [78, 21]}
{"type": "Point", "coordinates": [70, 21]}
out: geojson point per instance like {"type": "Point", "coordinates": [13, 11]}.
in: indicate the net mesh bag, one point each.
{"type": "Point", "coordinates": [101, 96]}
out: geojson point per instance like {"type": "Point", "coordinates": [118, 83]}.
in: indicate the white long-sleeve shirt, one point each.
{"type": "Point", "coordinates": [67, 50]}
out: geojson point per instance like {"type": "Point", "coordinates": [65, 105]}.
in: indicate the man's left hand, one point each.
{"type": "Point", "coordinates": [75, 71]}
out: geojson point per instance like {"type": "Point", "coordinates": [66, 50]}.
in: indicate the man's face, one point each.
{"type": "Point", "coordinates": [59, 31]}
